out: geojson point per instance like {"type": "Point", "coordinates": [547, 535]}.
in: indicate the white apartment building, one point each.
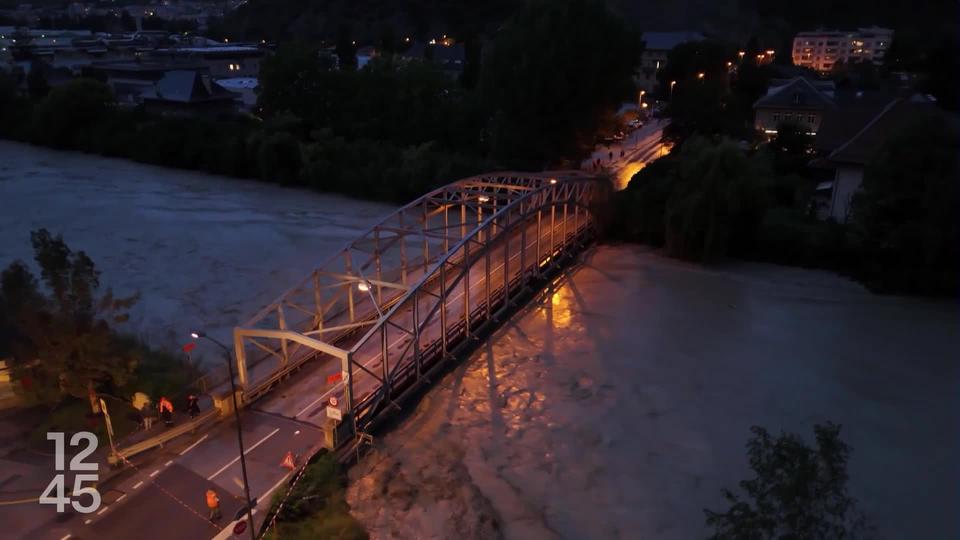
{"type": "Point", "coordinates": [821, 50]}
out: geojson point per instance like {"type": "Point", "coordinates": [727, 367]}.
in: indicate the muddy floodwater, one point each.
{"type": "Point", "coordinates": [202, 250]}
{"type": "Point", "coordinates": [618, 406]}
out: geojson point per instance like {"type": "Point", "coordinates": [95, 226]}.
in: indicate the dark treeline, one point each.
{"type": "Point", "coordinates": [390, 131]}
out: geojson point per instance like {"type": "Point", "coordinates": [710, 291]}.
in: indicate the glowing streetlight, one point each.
{"type": "Point", "coordinates": [553, 180]}
{"type": "Point", "coordinates": [672, 84]}
{"type": "Point", "coordinates": [740, 54]}
{"type": "Point", "coordinates": [363, 286]}
{"type": "Point", "coordinates": [236, 413]}
{"type": "Point", "coordinates": [483, 198]}
{"type": "Point", "coordinates": [701, 75]}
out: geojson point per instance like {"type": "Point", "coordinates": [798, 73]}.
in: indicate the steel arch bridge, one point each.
{"type": "Point", "coordinates": [395, 304]}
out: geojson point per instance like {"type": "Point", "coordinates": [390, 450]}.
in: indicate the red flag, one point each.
{"type": "Point", "coordinates": [334, 378]}
{"type": "Point", "coordinates": [189, 347]}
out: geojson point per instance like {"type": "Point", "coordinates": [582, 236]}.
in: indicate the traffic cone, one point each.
{"type": "Point", "coordinates": [288, 461]}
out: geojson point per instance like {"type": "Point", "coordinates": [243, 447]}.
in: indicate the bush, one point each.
{"type": "Point", "coordinates": [63, 118]}
{"type": "Point", "coordinates": [315, 507]}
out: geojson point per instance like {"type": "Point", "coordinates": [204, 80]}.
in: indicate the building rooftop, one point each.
{"type": "Point", "coordinates": [184, 86]}
{"type": "Point", "coordinates": [799, 93]}
{"type": "Point", "coordinates": [238, 83]}
{"type": "Point", "coordinates": [865, 142]}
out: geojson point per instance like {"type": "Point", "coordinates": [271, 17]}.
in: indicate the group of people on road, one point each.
{"type": "Point", "coordinates": [164, 409]}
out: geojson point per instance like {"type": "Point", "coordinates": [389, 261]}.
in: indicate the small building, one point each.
{"type": "Point", "coordinates": [223, 61]}
{"type": "Point", "coordinates": [822, 50]}
{"type": "Point", "coordinates": [798, 101]}
{"type": "Point", "coordinates": [189, 93]}
{"type": "Point", "coordinates": [851, 138]}
{"type": "Point", "coordinates": [654, 56]}
{"type": "Point", "coordinates": [244, 87]}
{"type": "Point", "coordinates": [130, 80]}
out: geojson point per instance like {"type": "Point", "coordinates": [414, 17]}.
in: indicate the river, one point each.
{"type": "Point", "coordinates": [616, 406]}
{"type": "Point", "coordinates": [202, 250]}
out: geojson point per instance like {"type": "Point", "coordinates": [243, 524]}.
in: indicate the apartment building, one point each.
{"type": "Point", "coordinates": [821, 50]}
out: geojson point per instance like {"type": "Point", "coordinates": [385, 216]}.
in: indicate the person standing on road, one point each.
{"type": "Point", "coordinates": [193, 405]}
{"type": "Point", "coordinates": [149, 415]}
{"type": "Point", "coordinates": [213, 503]}
{"type": "Point", "coordinates": [166, 411]}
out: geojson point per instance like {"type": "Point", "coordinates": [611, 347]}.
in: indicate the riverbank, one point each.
{"type": "Point", "coordinates": [618, 406]}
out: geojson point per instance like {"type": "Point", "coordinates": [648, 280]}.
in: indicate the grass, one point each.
{"type": "Point", "coordinates": [316, 508]}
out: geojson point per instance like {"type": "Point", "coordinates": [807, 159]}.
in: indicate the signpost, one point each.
{"type": "Point", "coordinates": [333, 412]}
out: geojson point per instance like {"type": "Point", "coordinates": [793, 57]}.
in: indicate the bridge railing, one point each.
{"type": "Point", "coordinates": [351, 292]}
{"type": "Point", "coordinates": [468, 288]}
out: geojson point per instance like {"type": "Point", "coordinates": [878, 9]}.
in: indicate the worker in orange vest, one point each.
{"type": "Point", "coordinates": [213, 503]}
{"type": "Point", "coordinates": [166, 411]}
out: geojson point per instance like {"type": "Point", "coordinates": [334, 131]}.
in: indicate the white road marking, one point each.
{"type": "Point", "coordinates": [236, 459]}
{"type": "Point", "coordinates": [154, 473]}
{"type": "Point", "coordinates": [120, 498]}
{"type": "Point", "coordinates": [167, 464]}
{"type": "Point", "coordinates": [102, 510]}
{"type": "Point", "coordinates": [192, 446]}
{"type": "Point", "coordinates": [87, 522]}
{"type": "Point", "coordinates": [138, 484]}
{"type": "Point", "coordinates": [66, 537]}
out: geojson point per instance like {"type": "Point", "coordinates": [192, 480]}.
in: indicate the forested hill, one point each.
{"type": "Point", "coordinates": [366, 21]}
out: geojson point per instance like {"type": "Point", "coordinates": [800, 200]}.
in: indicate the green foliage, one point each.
{"type": "Point", "coordinates": [797, 491]}
{"type": "Point", "coordinates": [555, 75]}
{"type": "Point", "coordinates": [906, 214]}
{"type": "Point", "coordinates": [63, 117]}
{"type": "Point", "coordinates": [316, 507]}
{"type": "Point", "coordinates": [61, 338]}
{"type": "Point", "coordinates": [702, 203]}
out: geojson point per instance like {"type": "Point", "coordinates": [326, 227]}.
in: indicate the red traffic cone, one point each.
{"type": "Point", "coordinates": [288, 461]}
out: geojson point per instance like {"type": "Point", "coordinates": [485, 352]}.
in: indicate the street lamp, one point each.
{"type": "Point", "coordinates": [236, 413]}
{"type": "Point", "coordinates": [701, 75]}
{"type": "Point", "coordinates": [672, 84]}
{"type": "Point", "coordinates": [642, 92]}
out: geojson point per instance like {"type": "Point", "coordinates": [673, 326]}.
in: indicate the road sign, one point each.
{"type": "Point", "coordinates": [240, 527]}
{"type": "Point", "coordinates": [333, 412]}
{"type": "Point", "coordinates": [333, 401]}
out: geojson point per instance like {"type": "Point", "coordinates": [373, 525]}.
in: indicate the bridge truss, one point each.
{"type": "Point", "coordinates": [393, 305]}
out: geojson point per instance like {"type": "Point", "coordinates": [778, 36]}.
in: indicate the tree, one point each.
{"type": "Point", "coordinates": [37, 85]}
{"type": "Point", "coordinates": [715, 203]}
{"type": "Point", "coordinates": [61, 339]}
{"type": "Point", "coordinates": [906, 213]}
{"type": "Point", "coordinates": [555, 75]}
{"type": "Point", "coordinates": [70, 111]}
{"type": "Point", "coordinates": [798, 492]}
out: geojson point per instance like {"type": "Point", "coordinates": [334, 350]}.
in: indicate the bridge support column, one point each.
{"type": "Point", "coordinates": [240, 352]}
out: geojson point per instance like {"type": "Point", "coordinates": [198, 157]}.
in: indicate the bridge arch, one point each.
{"type": "Point", "coordinates": [395, 304]}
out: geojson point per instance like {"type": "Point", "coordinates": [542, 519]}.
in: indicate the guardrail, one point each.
{"type": "Point", "coordinates": [123, 454]}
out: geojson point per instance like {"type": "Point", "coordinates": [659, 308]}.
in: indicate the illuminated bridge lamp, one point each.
{"type": "Point", "coordinates": [363, 286]}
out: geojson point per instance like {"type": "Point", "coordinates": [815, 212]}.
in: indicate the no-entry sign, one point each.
{"type": "Point", "coordinates": [240, 527]}
{"type": "Point", "coordinates": [333, 401]}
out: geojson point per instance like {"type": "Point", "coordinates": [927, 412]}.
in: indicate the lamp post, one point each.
{"type": "Point", "coordinates": [236, 412]}
{"type": "Point", "coordinates": [642, 92]}
{"type": "Point", "coordinates": [672, 84]}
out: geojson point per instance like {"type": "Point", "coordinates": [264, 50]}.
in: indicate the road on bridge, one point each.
{"type": "Point", "coordinates": [164, 490]}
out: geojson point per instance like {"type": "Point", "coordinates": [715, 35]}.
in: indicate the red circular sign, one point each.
{"type": "Point", "coordinates": [240, 527]}
{"type": "Point", "coordinates": [333, 401]}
